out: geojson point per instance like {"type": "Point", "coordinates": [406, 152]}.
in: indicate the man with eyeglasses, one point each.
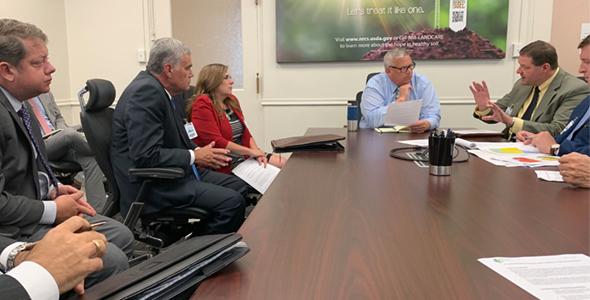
{"type": "Point", "coordinates": [399, 83]}
{"type": "Point", "coordinates": [541, 100]}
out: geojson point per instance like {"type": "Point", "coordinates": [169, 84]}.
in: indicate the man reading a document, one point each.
{"type": "Point", "coordinates": [399, 83]}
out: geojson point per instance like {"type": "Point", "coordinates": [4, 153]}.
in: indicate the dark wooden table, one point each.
{"type": "Point", "coordinates": [362, 225]}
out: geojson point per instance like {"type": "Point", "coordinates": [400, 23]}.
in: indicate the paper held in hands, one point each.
{"type": "Point", "coordinates": [257, 176]}
{"type": "Point", "coordinates": [402, 113]}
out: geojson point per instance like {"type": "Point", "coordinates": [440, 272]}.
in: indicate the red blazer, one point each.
{"type": "Point", "coordinates": [212, 126]}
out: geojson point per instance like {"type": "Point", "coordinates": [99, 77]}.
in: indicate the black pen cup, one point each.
{"type": "Point", "coordinates": [440, 154]}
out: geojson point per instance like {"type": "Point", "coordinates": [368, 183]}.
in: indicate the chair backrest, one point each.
{"type": "Point", "coordinates": [359, 94]}
{"type": "Point", "coordinates": [371, 75]}
{"type": "Point", "coordinates": [97, 122]}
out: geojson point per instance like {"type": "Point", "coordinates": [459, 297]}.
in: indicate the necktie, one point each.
{"type": "Point", "coordinates": [193, 167]}
{"type": "Point", "coordinates": [40, 117]}
{"type": "Point", "coordinates": [529, 111]}
{"type": "Point", "coordinates": [26, 117]}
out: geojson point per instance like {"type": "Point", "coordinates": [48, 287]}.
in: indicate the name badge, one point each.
{"type": "Point", "coordinates": [190, 130]}
{"type": "Point", "coordinates": [509, 111]}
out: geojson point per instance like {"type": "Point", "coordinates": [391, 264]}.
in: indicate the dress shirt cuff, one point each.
{"type": "Point", "coordinates": [49, 213]}
{"type": "Point", "coordinates": [5, 252]}
{"type": "Point", "coordinates": [37, 281]}
{"type": "Point", "coordinates": [517, 125]}
{"type": "Point", "coordinates": [481, 113]}
{"type": "Point", "coordinates": [192, 154]}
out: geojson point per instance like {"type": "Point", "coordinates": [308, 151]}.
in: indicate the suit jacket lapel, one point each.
{"type": "Point", "coordinates": [549, 95]}
{"type": "Point", "coordinates": [21, 130]}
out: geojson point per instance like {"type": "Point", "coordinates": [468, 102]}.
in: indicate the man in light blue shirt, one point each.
{"type": "Point", "coordinates": [399, 83]}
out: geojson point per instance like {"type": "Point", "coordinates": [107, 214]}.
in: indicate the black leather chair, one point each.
{"type": "Point", "coordinates": [359, 94]}
{"type": "Point", "coordinates": [157, 230]}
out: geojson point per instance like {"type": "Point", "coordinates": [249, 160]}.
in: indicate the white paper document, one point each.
{"type": "Point", "coordinates": [419, 143]}
{"type": "Point", "coordinates": [402, 113]}
{"type": "Point", "coordinates": [549, 176]}
{"type": "Point", "coordinates": [564, 276]}
{"type": "Point", "coordinates": [257, 176]}
{"type": "Point", "coordinates": [475, 132]}
{"type": "Point", "coordinates": [513, 155]}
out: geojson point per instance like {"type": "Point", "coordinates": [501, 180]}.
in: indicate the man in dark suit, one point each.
{"type": "Point", "coordinates": [54, 265]}
{"type": "Point", "coordinates": [148, 133]}
{"type": "Point", "coordinates": [31, 199]}
{"type": "Point", "coordinates": [70, 145]}
{"type": "Point", "coordinates": [541, 100]}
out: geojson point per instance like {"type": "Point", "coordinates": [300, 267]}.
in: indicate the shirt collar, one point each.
{"type": "Point", "coordinates": [17, 105]}
{"type": "Point", "coordinates": [543, 86]}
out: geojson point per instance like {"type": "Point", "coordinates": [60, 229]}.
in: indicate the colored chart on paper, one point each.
{"type": "Point", "coordinates": [526, 160]}
{"type": "Point", "coordinates": [508, 150]}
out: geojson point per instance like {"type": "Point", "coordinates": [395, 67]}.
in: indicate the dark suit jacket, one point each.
{"type": "Point", "coordinates": [19, 184]}
{"type": "Point", "coordinates": [580, 141]}
{"type": "Point", "coordinates": [10, 288]}
{"type": "Point", "coordinates": [147, 133]}
{"type": "Point", "coordinates": [553, 111]}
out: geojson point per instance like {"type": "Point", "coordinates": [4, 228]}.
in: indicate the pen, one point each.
{"type": "Point", "coordinates": [92, 226]}
{"type": "Point", "coordinates": [97, 224]}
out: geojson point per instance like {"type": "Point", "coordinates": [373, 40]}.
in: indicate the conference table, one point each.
{"type": "Point", "coordinates": [362, 225]}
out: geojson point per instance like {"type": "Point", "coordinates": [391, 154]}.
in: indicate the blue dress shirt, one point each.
{"type": "Point", "coordinates": [379, 93]}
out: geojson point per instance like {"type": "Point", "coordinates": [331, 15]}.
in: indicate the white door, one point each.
{"type": "Point", "coordinates": [227, 32]}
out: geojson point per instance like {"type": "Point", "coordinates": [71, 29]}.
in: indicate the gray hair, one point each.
{"type": "Point", "coordinates": [166, 51]}
{"type": "Point", "coordinates": [393, 53]}
{"type": "Point", "coordinates": [12, 34]}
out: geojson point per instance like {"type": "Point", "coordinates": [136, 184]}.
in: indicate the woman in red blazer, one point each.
{"type": "Point", "coordinates": [217, 117]}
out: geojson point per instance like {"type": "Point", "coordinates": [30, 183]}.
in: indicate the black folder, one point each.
{"type": "Point", "coordinates": [322, 142]}
{"type": "Point", "coordinates": [172, 273]}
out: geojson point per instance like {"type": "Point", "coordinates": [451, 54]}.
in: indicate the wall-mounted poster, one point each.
{"type": "Point", "coordinates": [357, 30]}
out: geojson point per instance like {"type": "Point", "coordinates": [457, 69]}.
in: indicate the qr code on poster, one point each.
{"type": "Point", "coordinates": [458, 16]}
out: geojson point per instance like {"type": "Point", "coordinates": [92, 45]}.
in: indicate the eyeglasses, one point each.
{"type": "Point", "coordinates": [405, 69]}
{"type": "Point", "coordinates": [227, 77]}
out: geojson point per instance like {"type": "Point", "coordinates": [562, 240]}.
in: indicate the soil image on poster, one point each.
{"type": "Point", "coordinates": [356, 30]}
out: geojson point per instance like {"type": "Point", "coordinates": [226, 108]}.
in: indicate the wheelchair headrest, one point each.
{"type": "Point", "coordinates": [101, 94]}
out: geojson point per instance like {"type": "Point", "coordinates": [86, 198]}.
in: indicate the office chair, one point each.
{"type": "Point", "coordinates": [359, 94]}
{"type": "Point", "coordinates": [157, 230]}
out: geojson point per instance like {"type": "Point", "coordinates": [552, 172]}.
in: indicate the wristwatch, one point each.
{"type": "Point", "coordinates": [14, 252]}
{"type": "Point", "coordinates": [555, 149]}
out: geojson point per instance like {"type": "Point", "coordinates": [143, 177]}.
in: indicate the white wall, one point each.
{"type": "Point", "coordinates": [50, 17]}
{"type": "Point", "coordinates": [100, 38]}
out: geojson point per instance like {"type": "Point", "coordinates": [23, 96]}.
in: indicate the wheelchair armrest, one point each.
{"type": "Point", "coordinates": [157, 173]}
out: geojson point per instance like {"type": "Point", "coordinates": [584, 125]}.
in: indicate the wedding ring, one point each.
{"type": "Point", "coordinates": [98, 244]}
